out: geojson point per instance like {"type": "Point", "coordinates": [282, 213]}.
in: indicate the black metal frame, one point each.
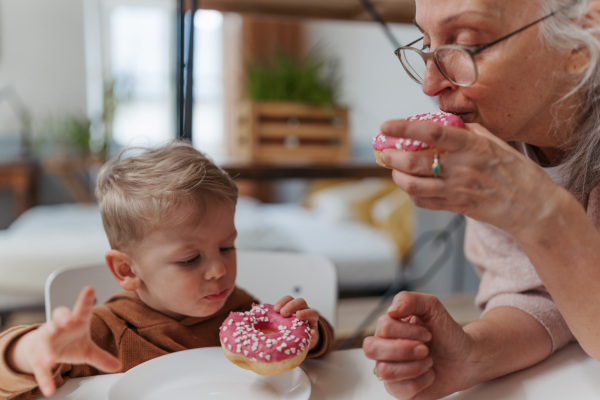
{"type": "Point", "coordinates": [184, 74]}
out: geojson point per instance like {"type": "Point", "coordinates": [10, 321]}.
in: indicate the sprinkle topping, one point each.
{"type": "Point", "coordinates": [382, 142]}
{"type": "Point", "coordinates": [264, 334]}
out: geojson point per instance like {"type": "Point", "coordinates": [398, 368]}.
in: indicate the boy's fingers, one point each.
{"type": "Point", "coordinates": [43, 377]}
{"type": "Point", "coordinates": [308, 314]}
{"type": "Point", "coordinates": [282, 302]}
{"type": "Point", "coordinates": [61, 319]}
{"type": "Point", "coordinates": [293, 306]}
{"type": "Point", "coordinates": [85, 302]}
{"type": "Point", "coordinates": [103, 360]}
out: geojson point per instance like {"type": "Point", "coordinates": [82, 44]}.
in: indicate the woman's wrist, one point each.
{"type": "Point", "coordinates": [548, 219]}
{"type": "Point", "coordinates": [503, 340]}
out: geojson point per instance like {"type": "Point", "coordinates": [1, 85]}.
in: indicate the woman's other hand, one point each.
{"type": "Point", "coordinates": [420, 350]}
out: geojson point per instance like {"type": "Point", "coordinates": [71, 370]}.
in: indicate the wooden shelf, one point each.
{"type": "Point", "coordinates": [393, 11]}
{"type": "Point", "coordinates": [274, 171]}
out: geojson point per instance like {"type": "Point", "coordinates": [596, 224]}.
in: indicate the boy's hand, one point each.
{"type": "Point", "coordinates": [289, 305]}
{"type": "Point", "coordinates": [65, 339]}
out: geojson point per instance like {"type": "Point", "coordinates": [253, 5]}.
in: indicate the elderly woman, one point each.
{"type": "Point", "coordinates": [524, 77]}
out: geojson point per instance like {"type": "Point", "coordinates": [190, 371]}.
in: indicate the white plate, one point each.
{"type": "Point", "coordinates": [205, 374]}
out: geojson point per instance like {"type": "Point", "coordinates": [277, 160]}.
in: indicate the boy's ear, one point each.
{"type": "Point", "coordinates": [121, 267]}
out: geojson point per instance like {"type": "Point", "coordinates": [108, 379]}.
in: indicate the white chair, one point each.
{"type": "Point", "coordinates": [64, 284]}
{"type": "Point", "coordinates": [268, 276]}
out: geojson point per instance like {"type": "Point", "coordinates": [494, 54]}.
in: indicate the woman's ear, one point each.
{"type": "Point", "coordinates": [121, 267]}
{"type": "Point", "coordinates": [578, 60]}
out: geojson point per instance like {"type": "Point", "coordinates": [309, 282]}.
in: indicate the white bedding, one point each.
{"type": "Point", "coordinates": [365, 257]}
{"type": "Point", "coordinates": [46, 238]}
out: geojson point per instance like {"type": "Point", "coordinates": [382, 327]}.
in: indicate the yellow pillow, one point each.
{"type": "Point", "coordinates": [363, 205]}
{"type": "Point", "coordinates": [348, 200]}
{"type": "Point", "coordinates": [320, 184]}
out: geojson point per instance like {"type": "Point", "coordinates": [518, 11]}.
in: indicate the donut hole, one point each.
{"type": "Point", "coordinates": [266, 331]}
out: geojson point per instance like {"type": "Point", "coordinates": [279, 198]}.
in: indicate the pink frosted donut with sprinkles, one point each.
{"type": "Point", "coordinates": [382, 142]}
{"type": "Point", "coordinates": [264, 341]}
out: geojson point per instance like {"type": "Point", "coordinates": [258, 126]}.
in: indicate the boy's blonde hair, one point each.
{"type": "Point", "coordinates": [137, 192]}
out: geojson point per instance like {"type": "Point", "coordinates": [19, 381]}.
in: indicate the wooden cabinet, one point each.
{"type": "Point", "coordinates": [20, 177]}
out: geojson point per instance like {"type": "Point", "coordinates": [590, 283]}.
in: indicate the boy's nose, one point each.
{"type": "Point", "coordinates": [216, 270]}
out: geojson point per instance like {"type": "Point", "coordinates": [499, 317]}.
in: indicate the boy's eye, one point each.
{"type": "Point", "coordinates": [190, 261]}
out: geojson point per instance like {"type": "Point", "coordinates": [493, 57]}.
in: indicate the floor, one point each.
{"type": "Point", "coordinates": [353, 313]}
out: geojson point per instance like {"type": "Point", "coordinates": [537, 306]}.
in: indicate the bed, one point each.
{"type": "Point", "coordinates": [363, 227]}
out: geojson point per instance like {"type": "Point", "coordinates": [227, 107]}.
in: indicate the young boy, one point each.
{"type": "Point", "coordinates": [169, 217]}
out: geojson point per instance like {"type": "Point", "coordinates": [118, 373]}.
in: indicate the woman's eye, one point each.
{"type": "Point", "coordinates": [229, 248]}
{"type": "Point", "coordinates": [425, 48]}
{"type": "Point", "coordinates": [189, 261]}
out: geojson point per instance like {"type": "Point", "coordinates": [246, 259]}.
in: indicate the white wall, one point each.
{"type": "Point", "coordinates": [42, 59]}
{"type": "Point", "coordinates": [374, 85]}
{"type": "Point", "coordinates": [42, 56]}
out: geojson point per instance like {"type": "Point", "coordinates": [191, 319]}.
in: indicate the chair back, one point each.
{"type": "Point", "coordinates": [64, 285]}
{"type": "Point", "coordinates": [266, 275]}
{"type": "Point", "coordinates": [270, 275]}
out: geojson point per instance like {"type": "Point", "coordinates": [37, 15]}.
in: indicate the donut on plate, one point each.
{"type": "Point", "coordinates": [382, 142]}
{"type": "Point", "coordinates": [264, 341]}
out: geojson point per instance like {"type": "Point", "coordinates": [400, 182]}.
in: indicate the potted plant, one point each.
{"type": "Point", "coordinates": [292, 111]}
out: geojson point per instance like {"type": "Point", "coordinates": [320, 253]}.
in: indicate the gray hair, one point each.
{"type": "Point", "coordinates": [568, 29]}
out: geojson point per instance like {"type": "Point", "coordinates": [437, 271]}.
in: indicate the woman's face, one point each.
{"type": "Point", "coordinates": [519, 79]}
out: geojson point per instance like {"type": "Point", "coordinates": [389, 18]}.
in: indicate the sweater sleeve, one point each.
{"type": "Point", "coordinates": [508, 279]}
{"type": "Point", "coordinates": [16, 385]}
{"type": "Point", "coordinates": [13, 383]}
{"type": "Point", "coordinates": [326, 340]}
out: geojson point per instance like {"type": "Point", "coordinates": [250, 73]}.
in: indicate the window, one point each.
{"type": "Point", "coordinates": [137, 42]}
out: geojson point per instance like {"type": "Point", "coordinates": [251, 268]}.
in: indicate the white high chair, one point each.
{"type": "Point", "coordinates": [266, 275]}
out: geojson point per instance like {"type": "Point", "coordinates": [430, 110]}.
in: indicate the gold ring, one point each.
{"type": "Point", "coordinates": [376, 374]}
{"type": "Point", "coordinates": [436, 168]}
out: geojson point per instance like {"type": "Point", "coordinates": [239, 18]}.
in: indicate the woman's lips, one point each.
{"type": "Point", "coordinates": [218, 296]}
{"type": "Point", "coordinates": [465, 115]}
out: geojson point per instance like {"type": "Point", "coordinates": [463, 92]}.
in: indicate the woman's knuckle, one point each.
{"type": "Point", "coordinates": [411, 187]}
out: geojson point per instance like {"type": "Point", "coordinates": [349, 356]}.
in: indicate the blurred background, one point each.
{"type": "Point", "coordinates": [286, 97]}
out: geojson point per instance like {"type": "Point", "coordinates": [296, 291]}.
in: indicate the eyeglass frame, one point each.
{"type": "Point", "coordinates": [471, 50]}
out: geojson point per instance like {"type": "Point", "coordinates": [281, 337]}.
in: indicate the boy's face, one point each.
{"type": "Point", "coordinates": [188, 269]}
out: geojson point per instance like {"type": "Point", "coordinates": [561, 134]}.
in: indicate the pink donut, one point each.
{"type": "Point", "coordinates": [382, 142]}
{"type": "Point", "coordinates": [264, 341]}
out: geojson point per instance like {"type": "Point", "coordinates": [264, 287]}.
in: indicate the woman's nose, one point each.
{"type": "Point", "coordinates": [434, 81]}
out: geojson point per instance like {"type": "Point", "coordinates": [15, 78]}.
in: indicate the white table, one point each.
{"type": "Point", "coordinates": [348, 375]}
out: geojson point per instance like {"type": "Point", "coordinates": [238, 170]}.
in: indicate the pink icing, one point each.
{"type": "Point", "coordinates": [242, 333]}
{"type": "Point", "coordinates": [382, 142]}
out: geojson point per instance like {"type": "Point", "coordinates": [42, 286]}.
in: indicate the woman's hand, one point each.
{"type": "Point", "coordinates": [481, 177]}
{"type": "Point", "coordinates": [420, 350]}
{"type": "Point", "coordinates": [288, 305]}
{"type": "Point", "coordinates": [65, 339]}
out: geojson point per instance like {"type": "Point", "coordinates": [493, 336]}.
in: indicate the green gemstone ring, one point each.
{"type": "Point", "coordinates": [436, 168]}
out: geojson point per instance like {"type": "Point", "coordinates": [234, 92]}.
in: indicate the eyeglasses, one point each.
{"type": "Point", "coordinates": [457, 63]}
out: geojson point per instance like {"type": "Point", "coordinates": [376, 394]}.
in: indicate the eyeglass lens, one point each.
{"type": "Point", "coordinates": [454, 62]}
